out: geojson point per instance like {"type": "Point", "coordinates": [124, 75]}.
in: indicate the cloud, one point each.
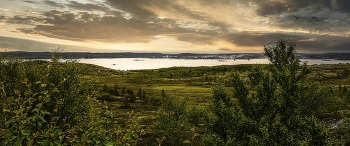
{"type": "Point", "coordinates": [324, 43]}
{"type": "Point", "coordinates": [91, 27]}
{"type": "Point", "coordinates": [54, 4]}
{"type": "Point", "coordinates": [225, 49]}
{"type": "Point", "coordinates": [196, 39]}
{"type": "Point", "coordinates": [24, 44]}
{"type": "Point", "coordinates": [234, 23]}
{"type": "Point", "coordinates": [87, 7]}
{"type": "Point", "coordinates": [30, 2]}
{"type": "Point", "coordinates": [342, 6]}
{"type": "Point", "coordinates": [288, 6]}
{"type": "Point", "coordinates": [29, 20]}
{"type": "Point", "coordinates": [2, 17]}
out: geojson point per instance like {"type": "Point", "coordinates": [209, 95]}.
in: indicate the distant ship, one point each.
{"type": "Point", "coordinates": [326, 60]}
{"type": "Point", "coordinates": [223, 60]}
{"type": "Point", "coordinates": [113, 64]}
{"type": "Point", "coordinates": [248, 59]}
{"type": "Point", "coordinates": [138, 60]}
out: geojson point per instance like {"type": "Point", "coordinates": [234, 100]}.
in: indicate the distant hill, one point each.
{"type": "Point", "coordinates": [88, 55]}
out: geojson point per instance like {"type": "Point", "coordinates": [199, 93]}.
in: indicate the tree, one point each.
{"type": "Point", "coordinates": [105, 88]}
{"type": "Point", "coordinates": [123, 91]}
{"type": "Point", "coordinates": [284, 67]}
{"type": "Point", "coordinates": [273, 118]}
{"type": "Point", "coordinates": [226, 121]}
{"type": "Point", "coordinates": [144, 96]}
{"type": "Point", "coordinates": [139, 94]}
{"type": "Point", "coordinates": [116, 87]}
{"type": "Point", "coordinates": [163, 93]}
{"type": "Point", "coordinates": [131, 96]}
{"type": "Point", "coordinates": [115, 92]}
{"type": "Point", "coordinates": [340, 91]}
{"type": "Point", "coordinates": [171, 122]}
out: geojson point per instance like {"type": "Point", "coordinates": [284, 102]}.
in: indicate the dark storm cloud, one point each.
{"type": "Point", "coordinates": [247, 39]}
{"type": "Point", "coordinates": [30, 2]}
{"type": "Point", "coordinates": [225, 49]}
{"type": "Point", "coordinates": [324, 44]}
{"type": "Point", "coordinates": [267, 7]}
{"type": "Point", "coordinates": [196, 39]}
{"type": "Point", "coordinates": [222, 26]}
{"type": "Point", "coordinates": [53, 4]}
{"type": "Point", "coordinates": [24, 44]}
{"type": "Point", "coordinates": [29, 20]}
{"type": "Point", "coordinates": [305, 43]}
{"type": "Point", "coordinates": [105, 29]}
{"type": "Point", "coordinates": [343, 6]}
{"type": "Point", "coordinates": [2, 17]}
{"type": "Point", "coordinates": [135, 8]}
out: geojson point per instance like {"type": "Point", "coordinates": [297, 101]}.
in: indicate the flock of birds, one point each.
{"type": "Point", "coordinates": [315, 18]}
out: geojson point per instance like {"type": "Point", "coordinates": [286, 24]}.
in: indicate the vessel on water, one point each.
{"type": "Point", "coordinates": [138, 60]}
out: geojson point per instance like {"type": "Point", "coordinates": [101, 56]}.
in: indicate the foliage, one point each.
{"type": "Point", "coordinates": [131, 96]}
{"type": "Point", "coordinates": [105, 88]}
{"type": "Point", "coordinates": [171, 122]}
{"type": "Point", "coordinates": [194, 114]}
{"type": "Point", "coordinates": [35, 117]}
{"type": "Point", "coordinates": [139, 94]}
{"type": "Point", "coordinates": [273, 118]}
{"type": "Point", "coordinates": [315, 100]}
{"type": "Point", "coordinates": [225, 122]}
{"type": "Point", "coordinates": [106, 97]}
{"type": "Point", "coordinates": [71, 93]}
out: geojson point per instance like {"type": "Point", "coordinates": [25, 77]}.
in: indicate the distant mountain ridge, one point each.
{"type": "Point", "coordinates": [88, 55]}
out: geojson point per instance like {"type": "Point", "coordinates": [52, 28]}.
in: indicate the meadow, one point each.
{"type": "Point", "coordinates": [175, 105]}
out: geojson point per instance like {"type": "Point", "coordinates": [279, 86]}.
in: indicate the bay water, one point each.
{"type": "Point", "coordinates": [148, 63]}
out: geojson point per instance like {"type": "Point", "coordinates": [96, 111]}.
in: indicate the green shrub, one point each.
{"type": "Point", "coordinates": [224, 122]}
{"type": "Point", "coordinates": [106, 96]}
{"type": "Point", "coordinates": [315, 100]}
{"type": "Point", "coordinates": [194, 114]}
{"type": "Point", "coordinates": [47, 112]}
{"type": "Point", "coordinates": [274, 117]}
{"type": "Point", "coordinates": [171, 122]}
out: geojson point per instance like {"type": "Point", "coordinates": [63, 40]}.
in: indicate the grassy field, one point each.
{"type": "Point", "coordinates": [196, 90]}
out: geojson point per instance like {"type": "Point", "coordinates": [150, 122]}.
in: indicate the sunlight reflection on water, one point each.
{"type": "Point", "coordinates": [147, 63]}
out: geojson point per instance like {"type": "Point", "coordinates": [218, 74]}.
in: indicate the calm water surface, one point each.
{"type": "Point", "coordinates": [147, 63]}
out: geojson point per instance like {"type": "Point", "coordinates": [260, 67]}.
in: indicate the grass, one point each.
{"type": "Point", "coordinates": [198, 95]}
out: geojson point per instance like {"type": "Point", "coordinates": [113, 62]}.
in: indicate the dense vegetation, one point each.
{"type": "Point", "coordinates": [282, 103]}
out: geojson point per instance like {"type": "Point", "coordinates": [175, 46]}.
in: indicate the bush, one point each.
{"type": "Point", "coordinates": [274, 117]}
{"type": "Point", "coordinates": [194, 114]}
{"type": "Point", "coordinates": [106, 96]}
{"type": "Point", "coordinates": [315, 100]}
{"type": "Point", "coordinates": [44, 111]}
{"type": "Point", "coordinates": [171, 122]}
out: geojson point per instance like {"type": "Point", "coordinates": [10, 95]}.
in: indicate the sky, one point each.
{"type": "Point", "coordinates": [173, 26]}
